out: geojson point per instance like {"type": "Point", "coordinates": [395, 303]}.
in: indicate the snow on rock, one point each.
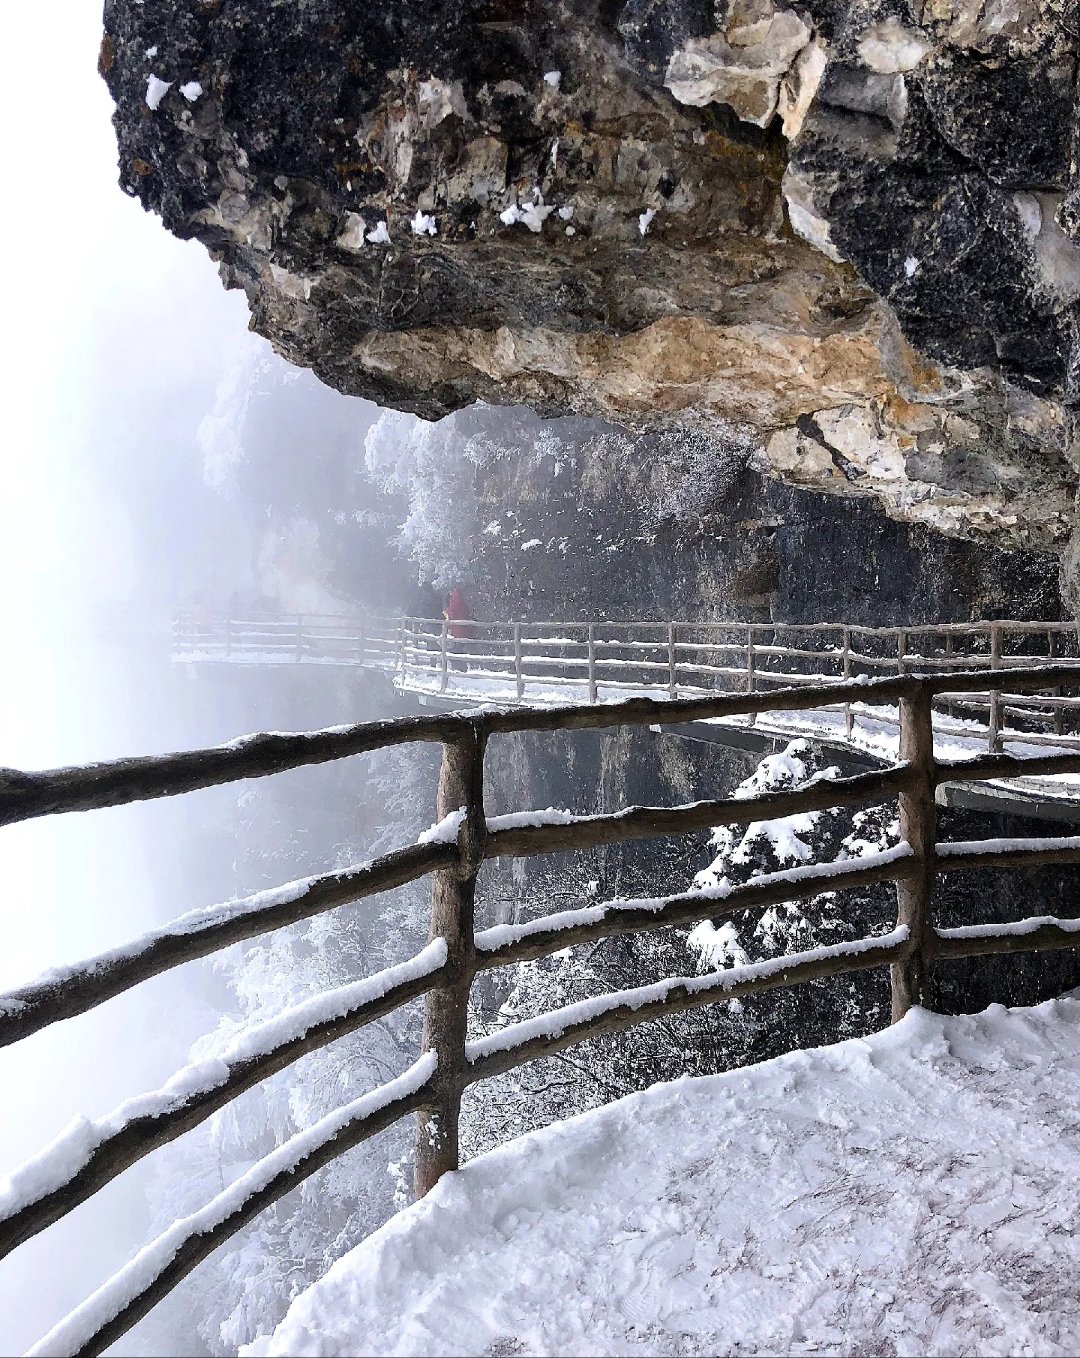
{"type": "Point", "coordinates": [533, 215]}
{"type": "Point", "coordinates": [553, 78]}
{"type": "Point", "coordinates": [913, 1192]}
{"type": "Point", "coordinates": [75, 1330]}
{"type": "Point", "coordinates": [380, 236]}
{"type": "Point", "coordinates": [191, 91]}
{"type": "Point", "coordinates": [156, 90]}
{"type": "Point", "coordinates": [645, 220]}
{"type": "Point", "coordinates": [423, 225]}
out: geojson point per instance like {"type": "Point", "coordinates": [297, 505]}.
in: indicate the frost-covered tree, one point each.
{"type": "Point", "coordinates": [717, 1037]}
{"type": "Point", "coordinates": [822, 1011]}
{"type": "Point", "coordinates": [434, 470]}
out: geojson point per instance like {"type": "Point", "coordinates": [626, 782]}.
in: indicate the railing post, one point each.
{"type": "Point", "coordinates": [444, 645]}
{"type": "Point", "coordinates": [901, 650]}
{"type": "Point", "coordinates": [361, 641]}
{"type": "Point", "coordinates": [1058, 692]}
{"type": "Point", "coordinates": [401, 647]}
{"type": "Point", "coordinates": [592, 662]}
{"type": "Point", "coordinates": [751, 666]}
{"type": "Point", "coordinates": [446, 1012]}
{"type": "Point", "coordinates": [228, 636]}
{"type": "Point", "coordinates": [672, 687]}
{"type": "Point", "coordinates": [849, 716]}
{"type": "Point", "coordinates": [918, 827]}
{"type": "Point", "coordinates": [995, 693]}
{"type": "Point", "coordinates": [300, 636]}
{"type": "Point", "coordinates": [519, 678]}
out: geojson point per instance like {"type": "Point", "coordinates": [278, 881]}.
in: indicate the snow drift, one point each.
{"type": "Point", "coordinates": [907, 1193]}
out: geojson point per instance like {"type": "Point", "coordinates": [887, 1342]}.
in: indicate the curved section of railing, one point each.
{"type": "Point", "coordinates": [72, 1169]}
{"type": "Point", "coordinates": [556, 662]}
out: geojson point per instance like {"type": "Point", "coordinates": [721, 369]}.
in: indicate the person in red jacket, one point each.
{"type": "Point", "coordinates": [460, 629]}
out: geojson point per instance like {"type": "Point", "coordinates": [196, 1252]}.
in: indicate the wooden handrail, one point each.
{"type": "Point", "coordinates": [144, 1124]}
{"type": "Point", "coordinates": [454, 855]}
{"type": "Point", "coordinates": [656, 822]}
{"type": "Point", "coordinates": [24, 795]}
{"type": "Point", "coordinates": [554, 1034]}
{"type": "Point", "coordinates": [68, 991]}
{"type": "Point", "coordinates": [505, 946]}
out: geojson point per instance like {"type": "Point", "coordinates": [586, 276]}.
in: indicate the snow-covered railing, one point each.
{"type": "Point", "coordinates": [90, 1155]}
{"type": "Point", "coordinates": [544, 661]}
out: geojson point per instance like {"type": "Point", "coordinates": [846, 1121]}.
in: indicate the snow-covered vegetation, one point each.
{"type": "Point", "coordinates": [717, 1038]}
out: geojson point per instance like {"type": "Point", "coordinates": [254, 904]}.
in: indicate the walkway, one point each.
{"type": "Point", "coordinates": [912, 1192]}
{"type": "Point", "coordinates": [550, 663]}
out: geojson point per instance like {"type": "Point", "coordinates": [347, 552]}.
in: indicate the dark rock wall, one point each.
{"type": "Point", "coordinates": [741, 547]}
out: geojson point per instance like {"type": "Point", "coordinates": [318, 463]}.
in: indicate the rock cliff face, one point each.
{"type": "Point", "coordinates": [841, 232]}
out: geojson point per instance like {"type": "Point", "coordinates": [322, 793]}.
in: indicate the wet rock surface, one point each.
{"type": "Point", "coordinates": [845, 232]}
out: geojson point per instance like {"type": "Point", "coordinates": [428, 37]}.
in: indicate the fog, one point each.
{"type": "Point", "coordinates": [121, 346]}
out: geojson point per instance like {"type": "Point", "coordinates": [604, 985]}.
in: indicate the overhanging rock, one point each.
{"type": "Point", "coordinates": [845, 233]}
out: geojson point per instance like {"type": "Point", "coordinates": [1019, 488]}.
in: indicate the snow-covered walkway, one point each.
{"type": "Point", "coordinates": [915, 1192]}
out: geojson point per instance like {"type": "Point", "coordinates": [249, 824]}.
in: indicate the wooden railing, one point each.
{"type": "Point", "coordinates": [545, 662]}
{"type": "Point", "coordinates": [72, 1169]}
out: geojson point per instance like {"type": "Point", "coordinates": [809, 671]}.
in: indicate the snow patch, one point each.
{"type": "Point", "coordinates": [912, 1192]}
{"type": "Point", "coordinates": [645, 220]}
{"type": "Point", "coordinates": [191, 91]}
{"type": "Point", "coordinates": [380, 236]}
{"type": "Point", "coordinates": [423, 225]}
{"type": "Point", "coordinates": [156, 90]}
{"type": "Point", "coordinates": [533, 215]}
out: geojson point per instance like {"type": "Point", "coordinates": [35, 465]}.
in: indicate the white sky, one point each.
{"type": "Point", "coordinates": [90, 283]}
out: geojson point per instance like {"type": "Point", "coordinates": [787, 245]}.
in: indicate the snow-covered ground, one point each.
{"type": "Point", "coordinates": [914, 1192]}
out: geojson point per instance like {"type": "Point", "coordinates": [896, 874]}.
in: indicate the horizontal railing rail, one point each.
{"type": "Point", "coordinates": [463, 838]}
{"type": "Point", "coordinates": [543, 661]}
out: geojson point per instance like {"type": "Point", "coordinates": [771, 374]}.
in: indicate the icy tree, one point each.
{"type": "Point", "coordinates": [717, 1037]}
{"type": "Point", "coordinates": [434, 470]}
{"type": "Point", "coordinates": [741, 855]}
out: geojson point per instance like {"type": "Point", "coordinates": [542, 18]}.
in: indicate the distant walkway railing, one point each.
{"type": "Point", "coordinates": [558, 662]}
{"type": "Point", "coordinates": [82, 1161]}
